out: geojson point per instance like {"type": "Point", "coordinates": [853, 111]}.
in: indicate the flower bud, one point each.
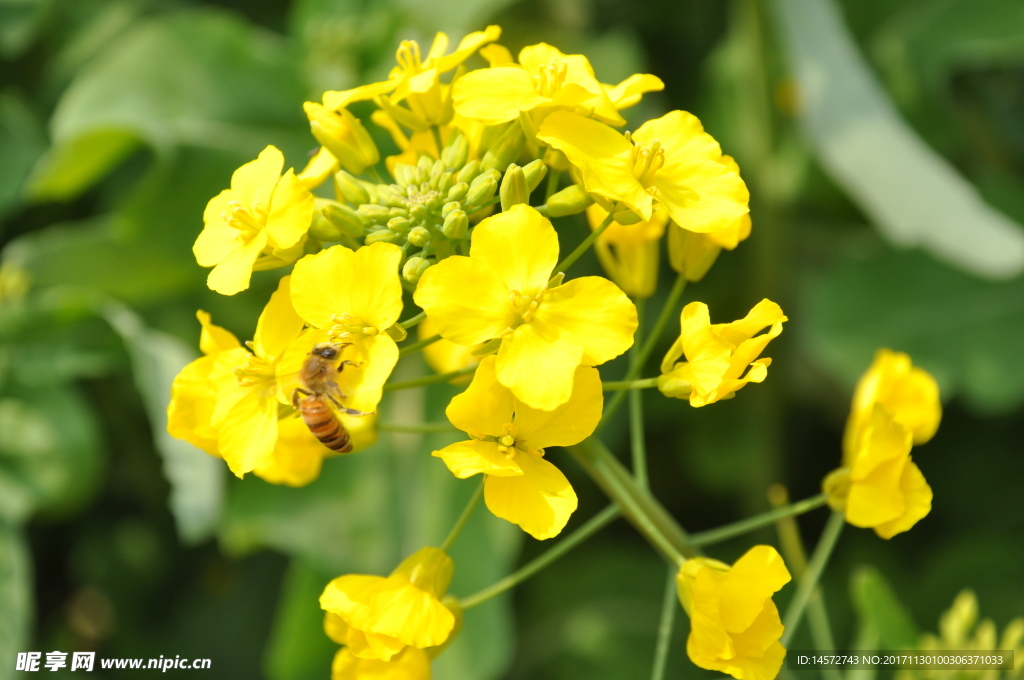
{"type": "Point", "coordinates": [691, 254]}
{"type": "Point", "coordinates": [456, 153]}
{"type": "Point", "coordinates": [374, 214]}
{"type": "Point", "coordinates": [468, 172]}
{"type": "Point", "coordinates": [344, 218]}
{"type": "Point", "coordinates": [404, 174]}
{"type": "Point", "coordinates": [458, 191]}
{"type": "Point", "coordinates": [349, 189]}
{"type": "Point", "coordinates": [323, 230]}
{"type": "Point", "coordinates": [505, 149]}
{"type": "Point", "coordinates": [456, 224]}
{"type": "Point", "coordinates": [423, 169]}
{"type": "Point", "coordinates": [450, 206]}
{"type": "Point", "coordinates": [418, 212]}
{"type": "Point", "coordinates": [418, 236]}
{"type": "Point", "coordinates": [535, 172]}
{"type": "Point", "coordinates": [382, 235]}
{"type": "Point", "coordinates": [399, 225]}
{"type": "Point", "coordinates": [481, 192]}
{"type": "Point", "coordinates": [343, 135]}
{"type": "Point", "coordinates": [444, 182]}
{"type": "Point", "coordinates": [412, 270]}
{"type": "Point", "coordinates": [569, 201]}
{"type": "Point", "coordinates": [514, 189]}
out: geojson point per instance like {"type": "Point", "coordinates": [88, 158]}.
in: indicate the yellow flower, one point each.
{"type": "Point", "coordinates": [416, 81]}
{"type": "Point", "coordinates": [320, 167]}
{"type": "Point", "coordinates": [504, 291]}
{"type": "Point", "coordinates": [508, 442]}
{"type": "Point", "coordinates": [444, 356]}
{"type": "Point", "coordinates": [910, 395]}
{"type": "Point", "coordinates": [629, 252]}
{"type": "Point", "coordinates": [409, 664]}
{"type": "Point", "coordinates": [424, 142]}
{"type": "Point", "coordinates": [545, 80]}
{"type": "Point", "coordinates": [734, 624]}
{"type": "Point", "coordinates": [378, 617]}
{"type": "Point", "coordinates": [343, 135]}
{"type": "Point", "coordinates": [259, 223]}
{"type": "Point", "coordinates": [718, 356]}
{"type": "Point", "coordinates": [670, 160]}
{"type": "Point", "coordinates": [350, 297]}
{"type": "Point", "coordinates": [881, 487]}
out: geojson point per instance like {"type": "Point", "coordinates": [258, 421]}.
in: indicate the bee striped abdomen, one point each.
{"type": "Point", "coordinates": [324, 425]}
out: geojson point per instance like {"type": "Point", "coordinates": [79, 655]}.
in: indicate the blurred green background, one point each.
{"type": "Point", "coordinates": [883, 141]}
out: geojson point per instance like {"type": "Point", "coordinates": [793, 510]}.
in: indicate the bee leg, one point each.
{"type": "Point", "coordinates": [334, 400]}
{"type": "Point", "coordinates": [346, 362]}
{"type": "Point", "coordinates": [295, 396]}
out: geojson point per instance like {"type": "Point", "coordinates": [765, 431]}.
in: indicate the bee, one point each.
{"type": "Point", "coordinates": [318, 377]}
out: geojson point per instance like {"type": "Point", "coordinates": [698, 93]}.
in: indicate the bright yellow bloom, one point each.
{"type": "Point", "coordinates": [734, 624]}
{"type": "Point", "coordinates": [670, 160]}
{"type": "Point", "coordinates": [343, 135]}
{"type": "Point", "coordinates": [259, 223]}
{"type": "Point", "coordinates": [379, 616]}
{"type": "Point", "coordinates": [508, 442]}
{"type": "Point", "coordinates": [417, 81]}
{"type": "Point", "coordinates": [504, 291]}
{"type": "Point", "coordinates": [409, 664]}
{"type": "Point", "coordinates": [319, 168]}
{"type": "Point", "coordinates": [718, 356]}
{"type": "Point", "coordinates": [545, 80]}
{"type": "Point", "coordinates": [910, 395]}
{"type": "Point", "coordinates": [629, 252]}
{"type": "Point", "coordinates": [351, 297]}
{"type": "Point", "coordinates": [881, 487]}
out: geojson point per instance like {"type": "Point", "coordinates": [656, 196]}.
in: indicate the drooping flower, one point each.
{"type": "Point", "coordinates": [545, 80]}
{"type": "Point", "coordinates": [343, 135]}
{"type": "Point", "coordinates": [734, 624]}
{"type": "Point", "coordinates": [629, 252]}
{"type": "Point", "coordinates": [259, 223]}
{"type": "Point", "coordinates": [880, 487]}
{"type": "Point", "coordinates": [720, 358]}
{"type": "Point", "coordinates": [378, 617]}
{"type": "Point", "coordinates": [409, 664]}
{"type": "Point", "coordinates": [504, 292]}
{"type": "Point", "coordinates": [670, 161]}
{"type": "Point", "coordinates": [909, 393]}
{"type": "Point", "coordinates": [508, 442]}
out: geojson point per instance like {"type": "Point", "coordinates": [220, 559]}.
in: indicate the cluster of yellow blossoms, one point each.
{"type": "Point", "coordinates": [464, 227]}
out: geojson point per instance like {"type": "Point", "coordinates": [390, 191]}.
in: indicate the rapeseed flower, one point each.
{"type": "Point", "coordinates": [543, 328]}
{"type": "Point", "coordinates": [508, 442]}
{"type": "Point", "coordinates": [734, 624]}
{"type": "Point", "coordinates": [669, 160]}
{"type": "Point", "coordinates": [720, 358]}
{"type": "Point", "coordinates": [379, 617]}
{"type": "Point", "coordinates": [629, 252]}
{"type": "Point", "coordinates": [409, 664]}
{"type": "Point", "coordinates": [343, 135]}
{"type": "Point", "coordinates": [259, 223]}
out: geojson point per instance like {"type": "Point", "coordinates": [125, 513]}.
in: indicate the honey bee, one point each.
{"type": "Point", "coordinates": [318, 377]}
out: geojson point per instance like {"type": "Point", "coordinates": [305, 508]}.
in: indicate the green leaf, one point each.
{"type": "Point", "coordinates": [914, 196]}
{"type": "Point", "coordinates": [196, 478]}
{"type": "Point", "coordinates": [15, 597]}
{"type": "Point", "coordinates": [21, 142]}
{"type": "Point", "coordinates": [20, 21]}
{"type": "Point", "coordinates": [964, 330]}
{"type": "Point", "coordinates": [880, 608]}
{"type": "Point", "coordinates": [298, 648]}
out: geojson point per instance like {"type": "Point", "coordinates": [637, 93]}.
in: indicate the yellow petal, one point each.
{"type": "Point", "coordinates": [232, 274]}
{"type": "Point", "coordinates": [485, 407]}
{"type": "Point", "coordinates": [444, 356]}
{"type": "Point", "coordinates": [538, 366]}
{"type": "Point", "coordinates": [917, 496]}
{"type": "Point", "coordinates": [540, 501]}
{"type": "Point", "coordinates": [496, 55]}
{"type": "Point", "coordinates": [410, 664]}
{"type": "Point", "coordinates": [248, 432]}
{"type": "Point", "coordinates": [406, 613]}
{"type": "Point", "coordinates": [466, 301]}
{"type": "Point", "coordinates": [213, 338]}
{"type": "Point", "coordinates": [371, 646]}
{"type": "Point", "coordinates": [349, 594]}
{"type": "Point", "coordinates": [467, 47]}
{"type": "Point", "coordinates": [363, 384]}
{"type": "Point", "coordinates": [297, 456]}
{"type": "Point", "coordinates": [495, 95]}
{"type": "Point", "coordinates": [255, 181]}
{"type": "Point", "coordinates": [498, 244]}
{"type": "Point", "coordinates": [337, 100]}
{"type": "Point", "coordinates": [217, 240]}
{"type": "Point", "coordinates": [291, 212]}
{"type": "Point", "coordinates": [754, 578]}
{"type": "Point", "coordinates": [278, 325]}
{"type": "Point", "coordinates": [319, 168]}
{"type": "Point", "coordinates": [192, 403]}
{"type": "Point", "coordinates": [335, 627]}
{"type": "Point", "coordinates": [764, 314]}
{"type": "Point", "coordinates": [363, 284]}
{"type": "Point", "coordinates": [593, 313]}
{"type": "Point", "coordinates": [472, 457]}
{"type": "Point", "coordinates": [629, 92]}
{"type": "Point", "coordinates": [570, 423]}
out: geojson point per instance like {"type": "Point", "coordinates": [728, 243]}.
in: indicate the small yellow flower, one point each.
{"type": "Point", "coordinates": [880, 487]}
{"type": "Point", "coordinates": [910, 395]}
{"type": "Point", "coordinates": [409, 664]}
{"type": "Point", "coordinates": [545, 80]}
{"type": "Point", "coordinates": [320, 167]}
{"type": "Point", "coordinates": [504, 291]}
{"type": "Point", "coordinates": [629, 252]}
{"type": "Point", "coordinates": [378, 617]}
{"type": "Point", "coordinates": [669, 160]}
{"type": "Point", "coordinates": [343, 135]}
{"type": "Point", "coordinates": [259, 223]}
{"type": "Point", "coordinates": [734, 624]}
{"type": "Point", "coordinates": [509, 438]}
{"type": "Point", "coordinates": [720, 358]}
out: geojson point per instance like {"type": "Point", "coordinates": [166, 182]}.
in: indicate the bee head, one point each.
{"type": "Point", "coordinates": [326, 350]}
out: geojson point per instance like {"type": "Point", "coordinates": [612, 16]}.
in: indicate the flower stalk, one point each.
{"type": "Point", "coordinates": [764, 519]}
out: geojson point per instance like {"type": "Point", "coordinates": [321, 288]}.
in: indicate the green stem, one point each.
{"type": "Point", "coordinates": [409, 323]}
{"type": "Point", "coordinates": [582, 248]}
{"type": "Point", "coordinates": [417, 427]}
{"type": "Point", "coordinates": [637, 505]}
{"type": "Point", "coordinates": [815, 567]}
{"type": "Point", "coordinates": [428, 380]}
{"type": "Point", "coordinates": [418, 345]}
{"type": "Point", "coordinates": [757, 521]}
{"type": "Point", "coordinates": [636, 409]}
{"type": "Point", "coordinates": [552, 186]}
{"type": "Point", "coordinates": [621, 385]}
{"type": "Point", "coordinates": [669, 605]}
{"type": "Point", "coordinates": [474, 500]}
{"type": "Point", "coordinates": [592, 526]}
{"type": "Point", "coordinates": [437, 139]}
{"type": "Point", "coordinates": [667, 311]}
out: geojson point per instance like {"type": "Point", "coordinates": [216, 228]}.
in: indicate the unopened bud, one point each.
{"type": "Point", "coordinates": [382, 236]}
{"type": "Point", "coordinates": [343, 135]}
{"type": "Point", "coordinates": [418, 212]}
{"type": "Point", "coordinates": [444, 182]}
{"type": "Point", "coordinates": [436, 170]}
{"type": "Point", "coordinates": [399, 225]}
{"type": "Point", "coordinates": [691, 254]}
{"type": "Point", "coordinates": [458, 192]}
{"type": "Point", "coordinates": [456, 224]}
{"type": "Point", "coordinates": [323, 230]}
{"type": "Point", "coordinates": [450, 206]}
{"type": "Point", "coordinates": [375, 214]}
{"type": "Point", "coordinates": [413, 269]}
{"type": "Point", "coordinates": [423, 169]}
{"type": "Point", "coordinates": [469, 171]}
{"type": "Point", "coordinates": [481, 192]}
{"type": "Point", "coordinates": [505, 149]}
{"type": "Point", "coordinates": [418, 236]}
{"type": "Point", "coordinates": [627, 217]}
{"type": "Point", "coordinates": [349, 189]}
{"type": "Point", "coordinates": [344, 218]}
{"type": "Point", "coordinates": [535, 172]}
{"type": "Point", "coordinates": [404, 174]}
{"type": "Point", "coordinates": [514, 189]}
{"type": "Point", "coordinates": [456, 153]}
{"type": "Point", "coordinates": [569, 201]}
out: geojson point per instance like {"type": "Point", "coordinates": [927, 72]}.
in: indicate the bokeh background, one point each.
{"type": "Point", "coordinates": [883, 141]}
